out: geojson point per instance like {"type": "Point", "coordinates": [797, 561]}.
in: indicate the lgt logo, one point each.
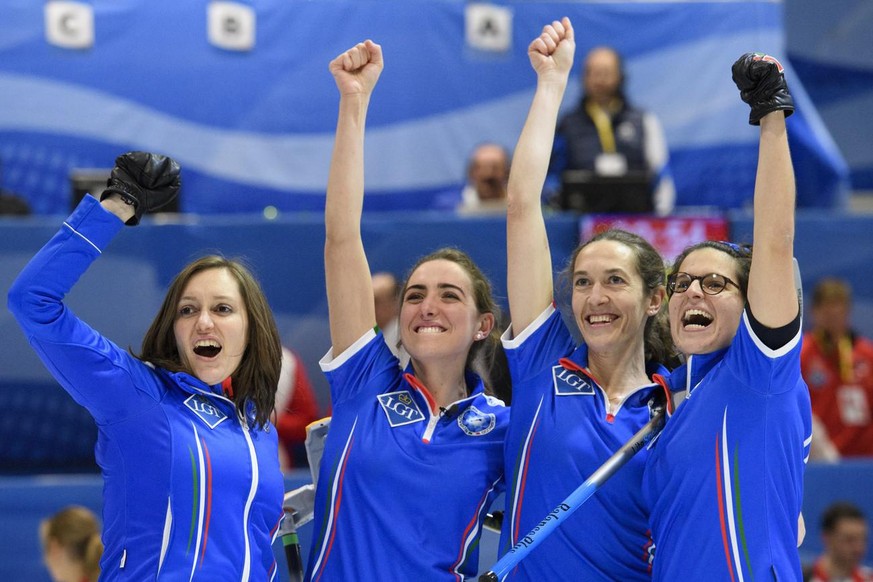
{"type": "Point", "coordinates": [569, 383]}
{"type": "Point", "coordinates": [205, 410]}
{"type": "Point", "coordinates": [400, 408]}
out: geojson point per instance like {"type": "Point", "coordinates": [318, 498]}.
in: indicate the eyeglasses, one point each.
{"type": "Point", "coordinates": [711, 284]}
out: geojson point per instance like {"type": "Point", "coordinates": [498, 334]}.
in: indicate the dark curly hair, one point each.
{"type": "Point", "coordinates": [650, 267]}
{"type": "Point", "coordinates": [740, 253]}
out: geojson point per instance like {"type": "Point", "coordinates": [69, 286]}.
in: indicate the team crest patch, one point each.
{"type": "Point", "coordinates": [570, 383]}
{"type": "Point", "coordinates": [205, 410]}
{"type": "Point", "coordinates": [474, 422]}
{"type": "Point", "coordinates": [400, 408]}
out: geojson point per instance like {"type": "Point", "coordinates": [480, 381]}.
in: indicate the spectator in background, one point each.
{"type": "Point", "coordinates": [844, 532]}
{"type": "Point", "coordinates": [296, 408]}
{"type": "Point", "coordinates": [71, 545]}
{"type": "Point", "coordinates": [386, 300]}
{"type": "Point", "coordinates": [487, 177]}
{"type": "Point", "coordinates": [609, 136]}
{"type": "Point", "coordinates": [837, 365]}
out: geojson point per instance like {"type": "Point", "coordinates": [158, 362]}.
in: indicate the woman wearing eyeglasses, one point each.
{"type": "Point", "coordinates": [724, 480]}
{"type": "Point", "coordinates": [574, 405]}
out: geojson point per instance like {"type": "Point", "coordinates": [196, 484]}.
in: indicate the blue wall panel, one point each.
{"type": "Point", "coordinates": [24, 501]}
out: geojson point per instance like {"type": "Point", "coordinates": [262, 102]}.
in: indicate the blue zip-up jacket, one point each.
{"type": "Point", "coordinates": [724, 479]}
{"type": "Point", "coordinates": [561, 431]}
{"type": "Point", "coordinates": [191, 491]}
{"type": "Point", "coordinates": [404, 486]}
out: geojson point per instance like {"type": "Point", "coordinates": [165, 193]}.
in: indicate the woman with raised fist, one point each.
{"type": "Point", "coordinates": [725, 477]}
{"type": "Point", "coordinates": [576, 403]}
{"type": "Point", "coordinates": [192, 486]}
{"type": "Point", "coordinates": [413, 459]}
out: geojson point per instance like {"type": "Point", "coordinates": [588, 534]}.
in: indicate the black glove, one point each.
{"type": "Point", "coordinates": [762, 85]}
{"type": "Point", "coordinates": [145, 181]}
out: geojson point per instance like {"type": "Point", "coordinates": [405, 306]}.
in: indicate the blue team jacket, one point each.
{"type": "Point", "coordinates": [561, 431]}
{"type": "Point", "coordinates": [724, 479]}
{"type": "Point", "coordinates": [403, 487]}
{"type": "Point", "coordinates": [191, 491]}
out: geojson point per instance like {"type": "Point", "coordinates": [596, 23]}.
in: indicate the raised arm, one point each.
{"type": "Point", "coordinates": [347, 273]}
{"type": "Point", "coordinates": [529, 275]}
{"type": "Point", "coordinates": [772, 294]}
{"type": "Point", "coordinates": [115, 204]}
{"type": "Point", "coordinates": [96, 372]}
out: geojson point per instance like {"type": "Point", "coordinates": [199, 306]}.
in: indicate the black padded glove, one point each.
{"type": "Point", "coordinates": [145, 181]}
{"type": "Point", "coordinates": [762, 85]}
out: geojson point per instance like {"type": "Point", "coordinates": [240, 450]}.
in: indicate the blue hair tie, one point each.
{"type": "Point", "coordinates": [743, 250]}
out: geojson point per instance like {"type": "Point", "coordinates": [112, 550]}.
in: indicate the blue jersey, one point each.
{"type": "Point", "coordinates": [560, 433]}
{"type": "Point", "coordinates": [191, 491]}
{"type": "Point", "coordinates": [725, 477]}
{"type": "Point", "coordinates": [403, 487]}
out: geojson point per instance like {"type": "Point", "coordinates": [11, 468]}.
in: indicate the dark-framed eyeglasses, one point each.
{"type": "Point", "coordinates": [711, 283]}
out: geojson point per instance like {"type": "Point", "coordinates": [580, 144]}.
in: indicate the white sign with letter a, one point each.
{"type": "Point", "coordinates": [488, 27]}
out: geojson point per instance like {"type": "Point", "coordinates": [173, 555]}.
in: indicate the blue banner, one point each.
{"type": "Point", "coordinates": [253, 127]}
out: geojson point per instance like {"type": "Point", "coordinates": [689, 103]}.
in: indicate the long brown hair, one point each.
{"type": "Point", "coordinates": [486, 357]}
{"type": "Point", "coordinates": [650, 267]}
{"type": "Point", "coordinates": [257, 376]}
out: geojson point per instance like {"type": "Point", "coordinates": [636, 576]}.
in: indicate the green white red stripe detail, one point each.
{"type": "Point", "coordinates": [730, 507]}
{"type": "Point", "coordinates": [201, 485]}
{"type": "Point", "coordinates": [470, 537]}
{"type": "Point", "coordinates": [520, 476]}
{"type": "Point", "coordinates": [328, 528]}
